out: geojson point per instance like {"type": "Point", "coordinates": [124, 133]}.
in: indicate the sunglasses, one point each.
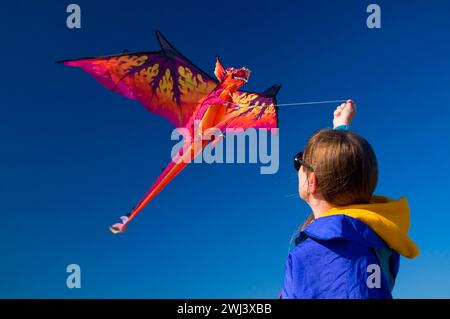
{"type": "Point", "coordinates": [298, 162]}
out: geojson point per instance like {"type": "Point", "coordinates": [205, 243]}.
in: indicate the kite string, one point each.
{"type": "Point", "coordinates": [289, 104]}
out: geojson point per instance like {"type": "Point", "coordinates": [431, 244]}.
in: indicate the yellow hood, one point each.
{"type": "Point", "coordinates": [388, 218]}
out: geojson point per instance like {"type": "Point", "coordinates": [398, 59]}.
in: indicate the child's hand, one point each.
{"type": "Point", "coordinates": [344, 114]}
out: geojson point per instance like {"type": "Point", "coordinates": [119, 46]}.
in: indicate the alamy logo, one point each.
{"type": "Point", "coordinates": [73, 21]}
{"type": "Point", "coordinates": [240, 146]}
{"type": "Point", "coordinates": [74, 279]}
{"type": "Point", "coordinates": [374, 279]}
{"type": "Point", "coordinates": [374, 19]}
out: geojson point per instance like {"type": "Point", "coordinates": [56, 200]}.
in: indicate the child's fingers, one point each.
{"type": "Point", "coordinates": [352, 106]}
{"type": "Point", "coordinates": [351, 103]}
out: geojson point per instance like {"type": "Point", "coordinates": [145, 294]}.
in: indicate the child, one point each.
{"type": "Point", "coordinates": [350, 245]}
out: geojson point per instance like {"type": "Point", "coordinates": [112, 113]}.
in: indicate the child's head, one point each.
{"type": "Point", "coordinates": [340, 169]}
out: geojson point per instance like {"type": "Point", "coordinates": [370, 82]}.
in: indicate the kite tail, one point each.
{"type": "Point", "coordinates": [172, 170]}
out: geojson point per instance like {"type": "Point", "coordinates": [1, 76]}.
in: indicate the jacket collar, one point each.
{"type": "Point", "coordinates": [343, 227]}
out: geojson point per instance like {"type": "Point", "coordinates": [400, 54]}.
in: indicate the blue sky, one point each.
{"type": "Point", "coordinates": [75, 156]}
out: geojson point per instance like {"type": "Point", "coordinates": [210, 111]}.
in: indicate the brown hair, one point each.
{"type": "Point", "coordinates": [345, 166]}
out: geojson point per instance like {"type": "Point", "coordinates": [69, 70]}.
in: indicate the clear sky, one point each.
{"type": "Point", "coordinates": [75, 156]}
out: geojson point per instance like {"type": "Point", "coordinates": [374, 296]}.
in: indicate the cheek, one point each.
{"type": "Point", "coordinates": [302, 184]}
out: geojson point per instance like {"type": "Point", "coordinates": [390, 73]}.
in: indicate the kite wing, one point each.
{"type": "Point", "coordinates": [253, 110]}
{"type": "Point", "coordinates": [164, 81]}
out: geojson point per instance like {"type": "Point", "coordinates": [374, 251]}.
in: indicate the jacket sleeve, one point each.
{"type": "Point", "coordinates": [343, 128]}
{"type": "Point", "coordinates": [287, 292]}
{"type": "Point", "coordinates": [315, 272]}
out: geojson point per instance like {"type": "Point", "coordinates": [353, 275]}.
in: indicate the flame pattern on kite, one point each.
{"type": "Point", "coordinates": [168, 84]}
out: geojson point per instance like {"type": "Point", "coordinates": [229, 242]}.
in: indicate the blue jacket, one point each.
{"type": "Point", "coordinates": [351, 252]}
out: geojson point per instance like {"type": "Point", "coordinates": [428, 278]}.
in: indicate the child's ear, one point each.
{"type": "Point", "coordinates": [219, 71]}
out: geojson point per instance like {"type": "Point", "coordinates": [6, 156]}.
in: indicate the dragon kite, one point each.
{"type": "Point", "coordinates": [168, 84]}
